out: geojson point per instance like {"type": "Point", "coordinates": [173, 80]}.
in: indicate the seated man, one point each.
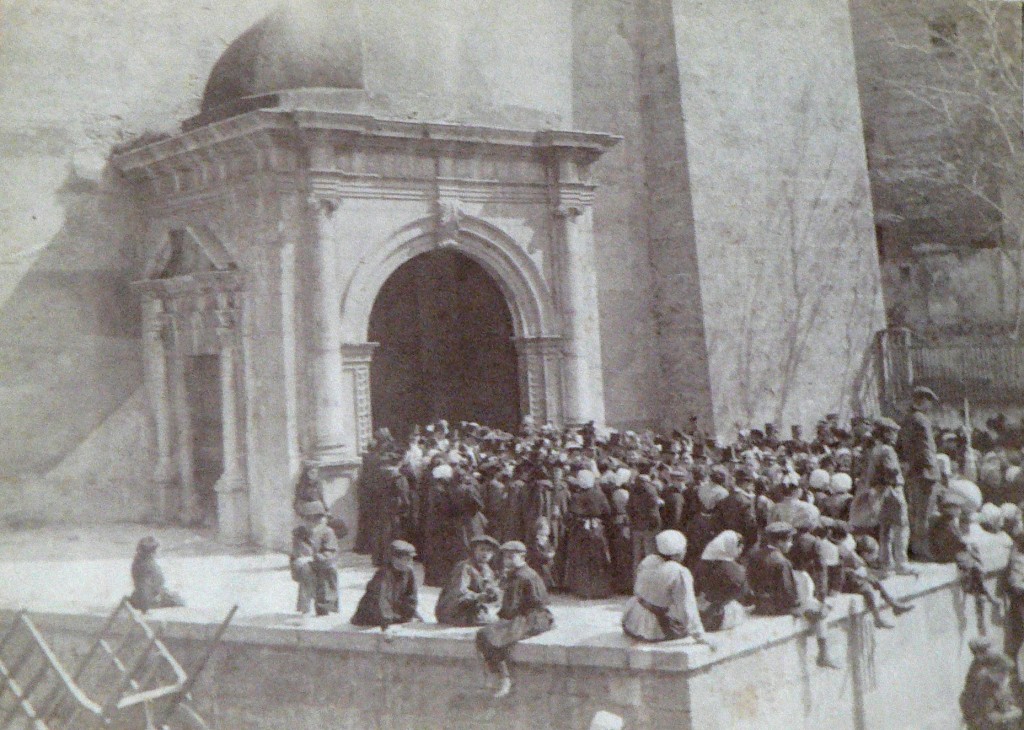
{"type": "Point", "coordinates": [390, 596]}
{"type": "Point", "coordinates": [148, 579]}
{"type": "Point", "coordinates": [663, 606]}
{"type": "Point", "coordinates": [471, 588]}
{"type": "Point", "coordinates": [773, 583]}
{"type": "Point", "coordinates": [524, 613]}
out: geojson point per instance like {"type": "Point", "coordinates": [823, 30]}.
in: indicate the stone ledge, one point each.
{"type": "Point", "coordinates": [603, 651]}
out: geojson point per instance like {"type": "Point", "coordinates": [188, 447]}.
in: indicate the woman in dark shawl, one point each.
{"type": "Point", "coordinates": [587, 564]}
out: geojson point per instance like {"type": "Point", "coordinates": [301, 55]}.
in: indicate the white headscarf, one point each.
{"type": "Point", "coordinates": [727, 546]}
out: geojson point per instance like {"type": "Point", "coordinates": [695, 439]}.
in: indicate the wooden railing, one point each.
{"type": "Point", "coordinates": [981, 369]}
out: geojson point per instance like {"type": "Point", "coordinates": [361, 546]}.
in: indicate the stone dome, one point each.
{"type": "Point", "coordinates": [300, 44]}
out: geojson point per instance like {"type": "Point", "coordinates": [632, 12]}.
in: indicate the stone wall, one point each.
{"type": "Point", "coordinates": [761, 676]}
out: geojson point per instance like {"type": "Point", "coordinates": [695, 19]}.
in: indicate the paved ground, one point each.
{"type": "Point", "coordinates": [86, 569]}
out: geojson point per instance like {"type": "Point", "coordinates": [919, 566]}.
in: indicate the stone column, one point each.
{"type": "Point", "coordinates": [582, 377]}
{"type": "Point", "coordinates": [540, 366]}
{"type": "Point", "coordinates": [356, 358]}
{"type": "Point", "coordinates": [333, 440]}
{"type": "Point", "coordinates": [232, 495]}
{"type": "Point", "coordinates": [156, 326]}
{"type": "Point", "coordinates": [184, 505]}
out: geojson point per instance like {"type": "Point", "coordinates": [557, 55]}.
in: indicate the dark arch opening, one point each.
{"type": "Point", "coordinates": [446, 348]}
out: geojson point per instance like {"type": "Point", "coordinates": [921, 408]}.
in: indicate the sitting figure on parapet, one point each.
{"type": "Point", "coordinates": [391, 595]}
{"type": "Point", "coordinates": [524, 613]}
{"type": "Point", "coordinates": [472, 588]}
{"type": "Point", "coordinates": [663, 606]}
{"type": "Point", "coordinates": [148, 579]}
{"type": "Point", "coordinates": [780, 590]}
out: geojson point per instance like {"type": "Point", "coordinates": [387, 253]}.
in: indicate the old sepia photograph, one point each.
{"type": "Point", "coordinates": [511, 365]}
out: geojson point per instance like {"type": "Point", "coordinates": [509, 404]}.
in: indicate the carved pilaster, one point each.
{"type": "Point", "coordinates": [540, 374]}
{"type": "Point", "coordinates": [231, 488]}
{"type": "Point", "coordinates": [333, 439]}
{"type": "Point", "coordinates": [156, 340]}
{"type": "Point", "coordinates": [582, 378]}
{"type": "Point", "coordinates": [356, 358]}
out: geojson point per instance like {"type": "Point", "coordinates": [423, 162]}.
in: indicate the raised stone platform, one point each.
{"type": "Point", "coordinates": [278, 670]}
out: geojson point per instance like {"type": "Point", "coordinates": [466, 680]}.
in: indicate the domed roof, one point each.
{"type": "Point", "coordinates": [300, 44]}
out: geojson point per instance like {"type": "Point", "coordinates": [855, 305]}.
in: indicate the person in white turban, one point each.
{"type": "Point", "coordinates": [663, 606]}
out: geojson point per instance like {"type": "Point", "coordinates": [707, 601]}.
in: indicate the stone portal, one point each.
{"type": "Point", "coordinates": [446, 346]}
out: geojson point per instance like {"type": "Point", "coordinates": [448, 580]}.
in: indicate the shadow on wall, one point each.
{"type": "Point", "coordinates": [69, 350]}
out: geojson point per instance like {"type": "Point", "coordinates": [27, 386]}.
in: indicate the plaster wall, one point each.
{"type": "Point", "coordinates": [781, 205]}
{"type": "Point", "coordinates": [74, 81]}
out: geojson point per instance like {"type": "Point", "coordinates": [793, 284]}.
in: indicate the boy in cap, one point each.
{"type": "Point", "coordinates": [471, 588]}
{"type": "Point", "coordinates": [390, 596]}
{"type": "Point", "coordinates": [313, 560]}
{"type": "Point", "coordinates": [774, 585]}
{"type": "Point", "coordinates": [524, 613]}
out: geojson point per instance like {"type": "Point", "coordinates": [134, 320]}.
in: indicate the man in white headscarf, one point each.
{"type": "Point", "coordinates": [664, 606]}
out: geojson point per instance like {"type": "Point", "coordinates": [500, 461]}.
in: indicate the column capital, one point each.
{"type": "Point", "coordinates": [568, 212]}
{"type": "Point", "coordinates": [157, 326]}
{"type": "Point", "coordinates": [323, 205]}
{"type": "Point", "coordinates": [353, 353]}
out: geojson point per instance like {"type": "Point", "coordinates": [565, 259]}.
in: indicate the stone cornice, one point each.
{"type": "Point", "coordinates": [271, 139]}
{"type": "Point", "coordinates": [203, 282]}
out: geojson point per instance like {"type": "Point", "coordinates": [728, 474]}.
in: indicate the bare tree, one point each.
{"type": "Point", "coordinates": [964, 76]}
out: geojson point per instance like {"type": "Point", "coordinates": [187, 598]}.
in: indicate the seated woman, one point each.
{"type": "Point", "coordinates": [390, 596]}
{"type": "Point", "coordinates": [148, 579]}
{"type": "Point", "coordinates": [663, 606]}
{"type": "Point", "coordinates": [722, 583]}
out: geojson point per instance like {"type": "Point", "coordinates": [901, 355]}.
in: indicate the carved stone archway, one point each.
{"type": "Point", "coordinates": [534, 315]}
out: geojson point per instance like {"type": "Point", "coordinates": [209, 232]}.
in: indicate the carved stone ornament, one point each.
{"type": "Point", "coordinates": [449, 221]}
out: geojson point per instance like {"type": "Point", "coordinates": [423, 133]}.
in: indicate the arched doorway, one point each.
{"type": "Point", "coordinates": [446, 348]}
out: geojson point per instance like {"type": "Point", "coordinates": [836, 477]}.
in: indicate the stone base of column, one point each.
{"type": "Point", "coordinates": [232, 511]}
{"type": "Point", "coordinates": [339, 479]}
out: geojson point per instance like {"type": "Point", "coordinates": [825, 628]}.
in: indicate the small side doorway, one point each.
{"type": "Point", "coordinates": [204, 405]}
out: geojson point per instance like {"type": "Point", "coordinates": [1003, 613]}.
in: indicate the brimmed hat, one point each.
{"type": "Point", "coordinates": [485, 540]}
{"type": "Point", "coordinates": [923, 391]}
{"type": "Point", "coordinates": [779, 529]}
{"type": "Point", "coordinates": [886, 424]}
{"type": "Point", "coordinates": [513, 546]}
{"type": "Point", "coordinates": [401, 547]}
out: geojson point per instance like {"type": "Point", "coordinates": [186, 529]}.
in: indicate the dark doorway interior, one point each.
{"type": "Point", "coordinates": [446, 349]}
{"type": "Point", "coordinates": [203, 383]}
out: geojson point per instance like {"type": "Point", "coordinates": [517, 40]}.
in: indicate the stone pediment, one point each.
{"type": "Point", "coordinates": [189, 250]}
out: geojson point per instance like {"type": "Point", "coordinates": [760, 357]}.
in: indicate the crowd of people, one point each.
{"type": "Point", "coordinates": [699, 534]}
